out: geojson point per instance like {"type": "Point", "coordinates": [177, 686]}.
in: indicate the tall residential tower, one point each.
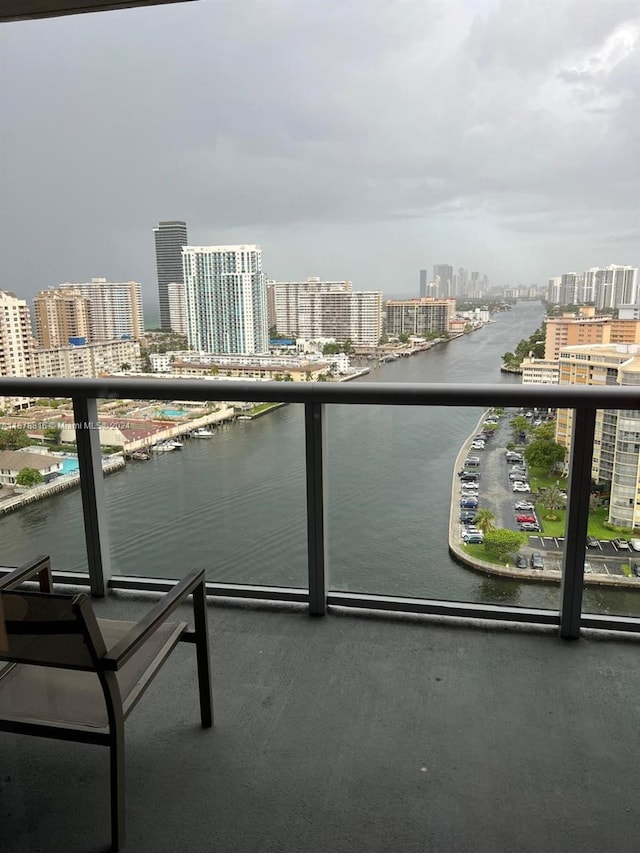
{"type": "Point", "coordinates": [226, 299]}
{"type": "Point", "coordinates": [170, 237]}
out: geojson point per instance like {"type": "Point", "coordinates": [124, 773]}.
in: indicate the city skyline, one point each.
{"type": "Point", "coordinates": [305, 164]}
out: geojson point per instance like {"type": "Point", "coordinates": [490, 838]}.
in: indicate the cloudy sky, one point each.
{"type": "Point", "coordinates": [359, 139]}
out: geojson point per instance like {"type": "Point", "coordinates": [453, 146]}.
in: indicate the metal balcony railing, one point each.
{"type": "Point", "coordinates": [85, 394]}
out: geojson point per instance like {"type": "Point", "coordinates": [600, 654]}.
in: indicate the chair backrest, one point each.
{"type": "Point", "coordinates": [49, 630]}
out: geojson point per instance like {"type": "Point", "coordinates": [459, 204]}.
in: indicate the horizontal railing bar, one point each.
{"type": "Point", "coordinates": [458, 609]}
{"type": "Point", "coordinates": [363, 393]}
{"type": "Point", "coordinates": [603, 622]}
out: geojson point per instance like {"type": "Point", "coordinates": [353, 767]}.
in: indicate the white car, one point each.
{"type": "Point", "coordinates": [477, 445]}
{"type": "Point", "coordinates": [521, 487]}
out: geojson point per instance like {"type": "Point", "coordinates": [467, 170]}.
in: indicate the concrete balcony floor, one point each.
{"type": "Point", "coordinates": [353, 733]}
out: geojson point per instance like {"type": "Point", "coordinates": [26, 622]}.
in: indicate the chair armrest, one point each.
{"type": "Point", "coordinates": [129, 645]}
{"type": "Point", "coordinates": [40, 565]}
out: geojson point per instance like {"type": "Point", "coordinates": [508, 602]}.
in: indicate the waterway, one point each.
{"type": "Point", "coordinates": [235, 503]}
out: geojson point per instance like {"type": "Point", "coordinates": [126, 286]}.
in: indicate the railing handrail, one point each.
{"type": "Point", "coordinates": [364, 393]}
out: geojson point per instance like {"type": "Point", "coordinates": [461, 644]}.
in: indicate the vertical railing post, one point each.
{"type": "Point", "coordinates": [316, 545]}
{"type": "Point", "coordinates": [577, 520]}
{"type": "Point", "coordinates": [96, 530]}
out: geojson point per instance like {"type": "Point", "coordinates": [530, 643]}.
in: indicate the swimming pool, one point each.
{"type": "Point", "coordinates": [175, 413]}
{"type": "Point", "coordinates": [69, 465]}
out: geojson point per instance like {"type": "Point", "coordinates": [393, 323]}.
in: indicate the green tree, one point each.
{"type": "Point", "coordinates": [403, 337]}
{"type": "Point", "coordinates": [545, 454]}
{"type": "Point", "coordinates": [384, 339]}
{"type": "Point", "coordinates": [29, 477]}
{"type": "Point", "coordinates": [484, 520]}
{"type": "Point", "coordinates": [13, 439]}
{"type": "Point", "coordinates": [125, 366]}
{"type": "Point", "coordinates": [545, 431]}
{"type": "Point", "coordinates": [519, 424]}
{"type": "Point", "coordinates": [500, 543]}
{"type": "Point", "coordinates": [52, 434]}
{"type": "Point", "coordinates": [347, 346]}
{"type": "Point", "coordinates": [552, 498]}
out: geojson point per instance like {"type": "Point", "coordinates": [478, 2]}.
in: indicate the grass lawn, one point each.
{"type": "Point", "coordinates": [596, 527]}
{"type": "Point", "coordinates": [539, 478]}
{"type": "Point", "coordinates": [480, 553]}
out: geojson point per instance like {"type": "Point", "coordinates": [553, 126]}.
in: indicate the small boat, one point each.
{"type": "Point", "coordinates": [244, 418]}
{"type": "Point", "coordinates": [176, 445]}
{"type": "Point", "coordinates": [142, 455]}
{"type": "Point", "coordinates": [163, 447]}
{"type": "Point", "coordinates": [201, 432]}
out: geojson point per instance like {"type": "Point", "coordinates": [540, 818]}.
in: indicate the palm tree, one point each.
{"type": "Point", "coordinates": [484, 520]}
{"type": "Point", "coordinates": [552, 499]}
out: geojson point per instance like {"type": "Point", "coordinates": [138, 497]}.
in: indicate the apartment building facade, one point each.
{"type": "Point", "coordinates": [343, 315]}
{"type": "Point", "coordinates": [88, 360]}
{"type": "Point", "coordinates": [16, 344]}
{"type": "Point", "coordinates": [60, 315]}
{"type": "Point", "coordinates": [426, 316]}
{"type": "Point", "coordinates": [286, 295]}
{"type": "Point", "coordinates": [115, 308]}
{"type": "Point", "coordinates": [177, 307]}
{"type": "Point", "coordinates": [568, 330]}
{"type": "Point", "coordinates": [616, 450]}
{"type": "Point", "coordinates": [226, 299]}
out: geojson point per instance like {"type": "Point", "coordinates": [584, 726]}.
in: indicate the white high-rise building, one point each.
{"type": "Point", "coordinates": [226, 299]}
{"type": "Point", "coordinates": [286, 298]}
{"type": "Point", "coordinates": [115, 308]}
{"type": "Point", "coordinates": [612, 286]}
{"type": "Point", "coordinates": [16, 343]}
{"type": "Point", "coordinates": [177, 307]}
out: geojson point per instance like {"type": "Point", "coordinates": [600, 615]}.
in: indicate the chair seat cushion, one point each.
{"type": "Point", "coordinates": [43, 694]}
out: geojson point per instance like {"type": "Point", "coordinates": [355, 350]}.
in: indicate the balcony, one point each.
{"type": "Point", "coordinates": [392, 723]}
{"type": "Point", "coordinates": [353, 733]}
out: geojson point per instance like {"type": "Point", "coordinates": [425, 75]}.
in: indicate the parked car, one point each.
{"type": "Point", "coordinates": [514, 457]}
{"type": "Point", "coordinates": [473, 538]}
{"type": "Point", "coordinates": [469, 503]}
{"type": "Point", "coordinates": [592, 542]}
{"type": "Point", "coordinates": [472, 462]}
{"type": "Point", "coordinates": [635, 568]}
{"type": "Point", "coordinates": [517, 469]}
{"type": "Point", "coordinates": [635, 544]}
{"type": "Point", "coordinates": [525, 518]}
{"type": "Point", "coordinates": [469, 477]}
{"type": "Point", "coordinates": [523, 506]}
{"type": "Point", "coordinates": [469, 487]}
{"type": "Point", "coordinates": [467, 517]}
{"type": "Point", "coordinates": [517, 478]}
{"type": "Point", "coordinates": [520, 561]}
{"type": "Point", "coordinates": [537, 561]}
{"type": "Point", "coordinates": [518, 486]}
{"type": "Point", "coordinates": [529, 527]}
{"type": "Point", "coordinates": [621, 544]}
{"type": "Point", "coordinates": [477, 445]}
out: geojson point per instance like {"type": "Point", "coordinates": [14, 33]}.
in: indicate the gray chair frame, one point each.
{"type": "Point", "coordinates": [106, 662]}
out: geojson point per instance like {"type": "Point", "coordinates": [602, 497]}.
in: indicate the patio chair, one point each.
{"type": "Point", "coordinates": [71, 676]}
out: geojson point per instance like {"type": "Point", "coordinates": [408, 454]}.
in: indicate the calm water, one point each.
{"type": "Point", "coordinates": [235, 503]}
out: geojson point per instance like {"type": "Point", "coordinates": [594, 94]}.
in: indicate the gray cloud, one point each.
{"type": "Point", "coordinates": [500, 136]}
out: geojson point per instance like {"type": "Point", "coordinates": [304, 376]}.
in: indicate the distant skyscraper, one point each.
{"type": "Point", "coordinates": [423, 283]}
{"type": "Point", "coordinates": [170, 237]}
{"type": "Point", "coordinates": [443, 276]}
{"type": "Point", "coordinates": [226, 299]}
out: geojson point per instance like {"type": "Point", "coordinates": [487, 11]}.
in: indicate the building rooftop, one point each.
{"type": "Point", "coordinates": [353, 732]}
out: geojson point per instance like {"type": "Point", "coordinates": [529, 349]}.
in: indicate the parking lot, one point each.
{"type": "Point", "coordinates": [495, 492]}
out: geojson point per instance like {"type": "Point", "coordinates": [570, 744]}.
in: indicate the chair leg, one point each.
{"type": "Point", "coordinates": [202, 655]}
{"type": "Point", "coordinates": [116, 759]}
